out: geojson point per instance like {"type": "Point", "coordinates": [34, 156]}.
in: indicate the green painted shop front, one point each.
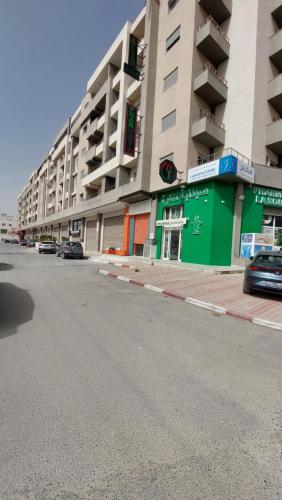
{"type": "Point", "coordinates": [262, 211]}
{"type": "Point", "coordinates": [201, 228]}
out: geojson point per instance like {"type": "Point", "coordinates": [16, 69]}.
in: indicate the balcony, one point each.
{"type": "Point", "coordinates": [76, 150]}
{"type": "Point", "coordinates": [100, 171]}
{"type": "Point", "coordinates": [210, 86]}
{"type": "Point", "coordinates": [207, 130]}
{"type": "Point", "coordinates": [116, 80]}
{"type": "Point", "coordinates": [277, 12]}
{"type": "Point", "coordinates": [275, 49]}
{"type": "Point", "coordinates": [220, 10]}
{"type": "Point", "coordinates": [114, 109]}
{"type": "Point", "coordinates": [94, 154]}
{"type": "Point", "coordinates": [212, 42]}
{"type": "Point", "coordinates": [274, 137]}
{"type": "Point", "coordinates": [93, 133]}
{"type": "Point", "coordinates": [51, 204]}
{"type": "Point", "coordinates": [134, 91]}
{"type": "Point", "coordinates": [275, 93]}
{"type": "Point", "coordinates": [94, 109]}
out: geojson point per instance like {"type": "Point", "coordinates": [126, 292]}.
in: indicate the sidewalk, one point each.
{"type": "Point", "coordinates": [140, 261]}
{"type": "Point", "coordinates": [206, 288]}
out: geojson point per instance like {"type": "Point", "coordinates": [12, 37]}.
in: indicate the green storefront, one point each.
{"type": "Point", "coordinates": [195, 223]}
{"type": "Point", "coordinates": [262, 212]}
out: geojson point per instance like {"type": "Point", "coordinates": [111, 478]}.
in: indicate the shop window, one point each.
{"type": "Point", "coordinates": [272, 224]}
{"type": "Point", "coordinates": [173, 212]}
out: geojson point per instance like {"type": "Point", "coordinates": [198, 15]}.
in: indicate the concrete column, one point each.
{"type": "Point", "coordinates": [153, 216]}
{"type": "Point", "coordinates": [237, 219]}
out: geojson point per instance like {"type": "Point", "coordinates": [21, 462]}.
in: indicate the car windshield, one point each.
{"type": "Point", "coordinates": [47, 243]}
{"type": "Point", "coordinates": [268, 260]}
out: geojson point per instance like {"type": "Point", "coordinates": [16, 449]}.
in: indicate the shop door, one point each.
{"type": "Point", "coordinates": [171, 244]}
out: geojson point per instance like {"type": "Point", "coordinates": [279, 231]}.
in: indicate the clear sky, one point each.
{"type": "Point", "coordinates": [48, 51]}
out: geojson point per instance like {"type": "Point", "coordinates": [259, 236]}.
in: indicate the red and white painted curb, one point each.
{"type": "Point", "coordinates": [194, 302]}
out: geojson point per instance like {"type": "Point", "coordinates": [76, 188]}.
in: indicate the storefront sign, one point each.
{"type": "Point", "coordinates": [172, 223]}
{"type": "Point", "coordinates": [130, 130]}
{"type": "Point", "coordinates": [268, 197]}
{"type": "Point", "coordinates": [236, 167]}
{"type": "Point", "coordinates": [184, 195]}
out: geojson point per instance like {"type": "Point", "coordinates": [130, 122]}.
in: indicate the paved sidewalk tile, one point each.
{"type": "Point", "coordinates": [223, 290]}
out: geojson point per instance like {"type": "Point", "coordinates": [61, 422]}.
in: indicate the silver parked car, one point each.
{"type": "Point", "coordinates": [70, 249]}
{"type": "Point", "coordinates": [264, 273]}
{"type": "Point", "coordinates": [47, 247]}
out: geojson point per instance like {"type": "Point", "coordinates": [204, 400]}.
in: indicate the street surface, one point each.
{"type": "Point", "coordinates": [110, 391]}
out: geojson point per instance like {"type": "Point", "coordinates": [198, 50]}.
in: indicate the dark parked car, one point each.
{"type": "Point", "coordinates": [14, 242]}
{"type": "Point", "coordinates": [70, 249]}
{"type": "Point", "coordinates": [264, 273]}
{"type": "Point", "coordinates": [47, 247]}
{"type": "Point", "coordinates": [30, 244]}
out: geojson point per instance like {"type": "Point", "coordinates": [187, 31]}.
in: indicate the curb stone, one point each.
{"type": "Point", "coordinates": [196, 302]}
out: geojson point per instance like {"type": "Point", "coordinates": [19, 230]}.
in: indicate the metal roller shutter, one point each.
{"type": "Point", "coordinates": [113, 232]}
{"type": "Point", "coordinates": [91, 235]}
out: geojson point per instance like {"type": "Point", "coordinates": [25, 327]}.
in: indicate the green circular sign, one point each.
{"type": "Point", "coordinates": [168, 171]}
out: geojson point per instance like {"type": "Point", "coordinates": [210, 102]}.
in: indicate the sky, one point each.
{"type": "Point", "coordinates": [48, 51]}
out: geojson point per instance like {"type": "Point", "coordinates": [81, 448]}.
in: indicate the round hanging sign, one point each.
{"type": "Point", "coordinates": [168, 171]}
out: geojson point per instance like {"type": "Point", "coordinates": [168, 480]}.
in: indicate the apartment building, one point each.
{"type": "Point", "coordinates": [217, 128]}
{"type": "Point", "coordinates": [96, 166]}
{"type": "Point", "coordinates": [8, 227]}
{"type": "Point", "coordinates": [207, 140]}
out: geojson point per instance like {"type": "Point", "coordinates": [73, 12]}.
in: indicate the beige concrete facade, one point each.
{"type": "Point", "coordinates": [86, 173]}
{"type": "Point", "coordinates": [228, 90]}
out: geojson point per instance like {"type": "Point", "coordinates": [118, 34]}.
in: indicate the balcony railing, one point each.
{"type": "Point", "coordinates": [204, 113]}
{"type": "Point", "coordinates": [219, 29]}
{"type": "Point", "coordinates": [210, 67]}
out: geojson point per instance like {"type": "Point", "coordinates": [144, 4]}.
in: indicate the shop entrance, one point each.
{"type": "Point", "coordinates": [172, 244]}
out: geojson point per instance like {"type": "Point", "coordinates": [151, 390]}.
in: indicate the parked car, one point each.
{"type": "Point", "coordinates": [70, 249]}
{"type": "Point", "coordinates": [23, 243]}
{"type": "Point", "coordinates": [14, 242]}
{"type": "Point", "coordinates": [47, 247]}
{"type": "Point", "coordinates": [264, 273]}
{"type": "Point", "coordinates": [30, 244]}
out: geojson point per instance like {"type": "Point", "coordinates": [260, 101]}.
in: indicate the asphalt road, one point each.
{"type": "Point", "coordinates": [108, 391]}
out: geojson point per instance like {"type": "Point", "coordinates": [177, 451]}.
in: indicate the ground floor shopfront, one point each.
{"type": "Point", "coordinates": [120, 232]}
{"type": "Point", "coordinates": [197, 224]}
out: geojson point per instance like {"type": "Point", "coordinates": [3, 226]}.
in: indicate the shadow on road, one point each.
{"type": "Point", "coordinates": [5, 267]}
{"type": "Point", "coordinates": [16, 308]}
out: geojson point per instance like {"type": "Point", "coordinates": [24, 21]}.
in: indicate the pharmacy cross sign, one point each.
{"type": "Point", "coordinates": [196, 223]}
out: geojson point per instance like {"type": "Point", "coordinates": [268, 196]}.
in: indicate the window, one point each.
{"type": "Point", "coordinates": [84, 129]}
{"type": "Point", "coordinates": [272, 224]}
{"type": "Point", "coordinates": [3, 224]}
{"type": "Point", "coordinates": [4, 231]}
{"type": "Point", "coordinates": [172, 4]}
{"type": "Point", "coordinates": [170, 79]}
{"type": "Point", "coordinates": [173, 212]}
{"type": "Point", "coordinates": [173, 39]}
{"type": "Point", "coordinates": [169, 121]}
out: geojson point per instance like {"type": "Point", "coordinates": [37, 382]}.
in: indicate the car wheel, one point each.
{"type": "Point", "coordinates": [247, 290]}
{"type": "Point", "coordinates": [80, 257]}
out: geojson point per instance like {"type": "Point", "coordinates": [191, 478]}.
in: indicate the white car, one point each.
{"type": "Point", "coordinates": [47, 247]}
